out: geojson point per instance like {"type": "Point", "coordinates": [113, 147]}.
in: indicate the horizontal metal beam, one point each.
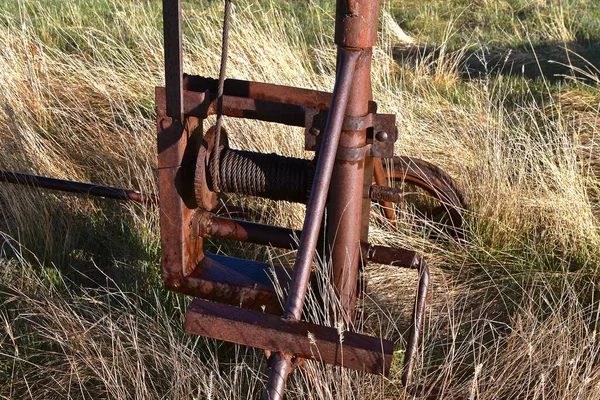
{"type": "Point", "coordinates": [201, 105]}
{"type": "Point", "coordinates": [261, 91]}
{"type": "Point", "coordinates": [299, 338]}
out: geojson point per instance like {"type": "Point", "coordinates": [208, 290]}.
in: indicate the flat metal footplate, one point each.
{"type": "Point", "coordinates": [299, 338]}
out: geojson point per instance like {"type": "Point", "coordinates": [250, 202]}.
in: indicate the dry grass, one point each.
{"type": "Point", "coordinates": [514, 309]}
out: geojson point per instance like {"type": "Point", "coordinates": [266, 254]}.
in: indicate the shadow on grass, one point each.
{"type": "Point", "coordinates": [96, 246]}
{"type": "Point", "coordinates": [553, 61]}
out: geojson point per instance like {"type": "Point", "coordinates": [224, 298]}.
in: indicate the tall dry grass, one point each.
{"type": "Point", "coordinates": [513, 310]}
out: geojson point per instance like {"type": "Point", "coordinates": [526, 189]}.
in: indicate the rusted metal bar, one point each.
{"type": "Point", "coordinates": [261, 91]}
{"type": "Point", "coordinates": [281, 366]}
{"type": "Point", "coordinates": [414, 334]}
{"type": "Point", "coordinates": [202, 105]}
{"type": "Point", "coordinates": [179, 253]}
{"type": "Point", "coordinates": [235, 282]}
{"type": "Point", "coordinates": [315, 211]}
{"type": "Point", "coordinates": [385, 194]}
{"type": "Point", "coordinates": [90, 189]}
{"type": "Point", "coordinates": [243, 231]}
{"type": "Point", "coordinates": [381, 180]}
{"type": "Point", "coordinates": [210, 224]}
{"type": "Point", "coordinates": [320, 187]}
{"type": "Point", "coordinates": [402, 258]}
{"type": "Point", "coordinates": [173, 59]}
{"type": "Point", "coordinates": [355, 29]}
{"type": "Point", "coordinates": [297, 338]}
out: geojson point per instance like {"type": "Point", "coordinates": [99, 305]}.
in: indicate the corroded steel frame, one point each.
{"type": "Point", "coordinates": [350, 133]}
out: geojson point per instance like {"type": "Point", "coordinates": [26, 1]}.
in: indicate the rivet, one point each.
{"type": "Point", "coordinates": [382, 136]}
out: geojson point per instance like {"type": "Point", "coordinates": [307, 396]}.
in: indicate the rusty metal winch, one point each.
{"type": "Point", "coordinates": [353, 166]}
{"type": "Point", "coordinates": [235, 300]}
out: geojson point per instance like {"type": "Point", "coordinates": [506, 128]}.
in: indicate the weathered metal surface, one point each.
{"type": "Point", "coordinates": [236, 282]}
{"type": "Point", "coordinates": [321, 184]}
{"type": "Point", "coordinates": [281, 366]}
{"type": "Point", "coordinates": [385, 135]}
{"type": "Point", "coordinates": [176, 247]}
{"type": "Point", "coordinates": [402, 258]}
{"type": "Point", "coordinates": [178, 251]}
{"type": "Point", "coordinates": [315, 210]}
{"type": "Point", "coordinates": [345, 220]}
{"type": "Point", "coordinates": [208, 224]}
{"type": "Point", "coordinates": [173, 59]}
{"type": "Point", "coordinates": [386, 193]}
{"type": "Point", "coordinates": [381, 130]}
{"type": "Point", "coordinates": [356, 23]}
{"type": "Point", "coordinates": [261, 91]}
{"type": "Point", "coordinates": [353, 153]}
{"type": "Point", "coordinates": [297, 338]}
{"type": "Point", "coordinates": [202, 105]}
{"type": "Point", "coordinates": [90, 189]}
{"type": "Point", "coordinates": [205, 198]}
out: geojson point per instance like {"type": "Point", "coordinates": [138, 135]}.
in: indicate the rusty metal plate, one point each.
{"type": "Point", "coordinates": [381, 128]}
{"type": "Point", "coordinates": [299, 338]}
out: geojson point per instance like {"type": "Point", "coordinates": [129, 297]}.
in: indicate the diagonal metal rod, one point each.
{"type": "Point", "coordinates": [77, 187]}
{"type": "Point", "coordinates": [315, 210]}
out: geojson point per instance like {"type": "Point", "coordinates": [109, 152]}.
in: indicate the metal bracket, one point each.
{"type": "Point", "coordinates": [381, 131]}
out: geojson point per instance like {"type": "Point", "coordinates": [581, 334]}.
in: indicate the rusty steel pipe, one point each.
{"type": "Point", "coordinates": [280, 369]}
{"type": "Point", "coordinates": [90, 189]}
{"type": "Point", "coordinates": [356, 28]}
{"type": "Point", "coordinates": [314, 213]}
{"type": "Point", "coordinates": [320, 187]}
{"type": "Point", "coordinates": [210, 224]}
{"type": "Point", "coordinates": [202, 105]}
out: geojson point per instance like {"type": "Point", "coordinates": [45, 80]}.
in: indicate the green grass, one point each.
{"type": "Point", "coordinates": [510, 23]}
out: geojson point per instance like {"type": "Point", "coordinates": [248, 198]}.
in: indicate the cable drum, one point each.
{"type": "Point", "coordinates": [265, 175]}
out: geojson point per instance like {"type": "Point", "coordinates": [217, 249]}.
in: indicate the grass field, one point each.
{"type": "Point", "coordinates": [503, 95]}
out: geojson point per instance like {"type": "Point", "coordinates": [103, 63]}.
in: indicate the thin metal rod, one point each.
{"type": "Point", "coordinates": [314, 214]}
{"type": "Point", "coordinates": [414, 334]}
{"type": "Point", "coordinates": [77, 187]}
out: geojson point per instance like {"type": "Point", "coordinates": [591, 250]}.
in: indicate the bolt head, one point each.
{"type": "Point", "coordinates": [382, 136]}
{"type": "Point", "coordinates": [314, 131]}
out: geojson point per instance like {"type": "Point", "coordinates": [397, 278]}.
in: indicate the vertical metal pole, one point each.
{"type": "Point", "coordinates": [316, 204]}
{"type": "Point", "coordinates": [356, 27]}
{"type": "Point", "coordinates": [180, 253]}
{"type": "Point", "coordinates": [314, 214]}
{"type": "Point", "coordinates": [173, 58]}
